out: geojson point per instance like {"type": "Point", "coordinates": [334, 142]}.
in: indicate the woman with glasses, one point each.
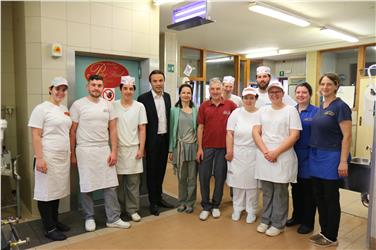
{"type": "Point", "coordinates": [276, 161]}
{"type": "Point", "coordinates": [50, 124]}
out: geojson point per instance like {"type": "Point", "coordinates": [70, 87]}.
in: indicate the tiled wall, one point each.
{"type": "Point", "coordinates": [129, 28]}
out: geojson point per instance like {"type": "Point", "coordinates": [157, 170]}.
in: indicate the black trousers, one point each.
{"type": "Point", "coordinates": [49, 211]}
{"type": "Point", "coordinates": [156, 160]}
{"type": "Point", "coordinates": [303, 202]}
{"type": "Point", "coordinates": [326, 193]}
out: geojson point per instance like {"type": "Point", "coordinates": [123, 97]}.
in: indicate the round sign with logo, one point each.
{"type": "Point", "coordinates": [108, 94]}
{"type": "Point", "coordinates": [110, 71]}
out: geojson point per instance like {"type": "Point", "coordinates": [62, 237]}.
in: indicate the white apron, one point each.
{"type": "Point", "coordinates": [241, 170]}
{"type": "Point", "coordinates": [55, 184]}
{"type": "Point", "coordinates": [94, 172]}
{"type": "Point", "coordinates": [127, 162]}
{"type": "Point", "coordinates": [284, 170]}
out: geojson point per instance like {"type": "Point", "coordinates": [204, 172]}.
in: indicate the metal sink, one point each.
{"type": "Point", "coordinates": [360, 161]}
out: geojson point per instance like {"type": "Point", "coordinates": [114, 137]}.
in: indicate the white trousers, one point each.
{"type": "Point", "coordinates": [245, 199]}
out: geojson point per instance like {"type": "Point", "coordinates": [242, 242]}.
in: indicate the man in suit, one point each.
{"type": "Point", "coordinates": [157, 104]}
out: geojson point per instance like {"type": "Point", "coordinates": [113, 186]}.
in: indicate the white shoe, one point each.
{"type": "Point", "coordinates": [273, 231]}
{"type": "Point", "coordinates": [236, 216]}
{"type": "Point", "coordinates": [90, 225]}
{"type": "Point", "coordinates": [136, 217]}
{"type": "Point", "coordinates": [119, 224]}
{"type": "Point", "coordinates": [250, 218]}
{"type": "Point", "coordinates": [262, 228]}
{"type": "Point", "coordinates": [216, 213]}
{"type": "Point", "coordinates": [204, 215]}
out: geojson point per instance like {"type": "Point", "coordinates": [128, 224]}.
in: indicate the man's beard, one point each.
{"type": "Point", "coordinates": [263, 87]}
{"type": "Point", "coordinates": [95, 94]}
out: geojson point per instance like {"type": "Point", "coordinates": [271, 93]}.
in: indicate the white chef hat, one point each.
{"type": "Point", "coordinates": [249, 91]}
{"type": "Point", "coordinates": [228, 79]}
{"type": "Point", "coordinates": [57, 81]}
{"type": "Point", "coordinates": [263, 70]}
{"type": "Point", "coordinates": [275, 83]}
{"type": "Point", "coordinates": [128, 80]}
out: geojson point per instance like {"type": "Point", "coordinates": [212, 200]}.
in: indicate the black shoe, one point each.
{"type": "Point", "coordinates": [292, 222]}
{"type": "Point", "coordinates": [303, 229]}
{"type": "Point", "coordinates": [165, 204]}
{"type": "Point", "coordinates": [61, 227]}
{"type": "Point", "coordinates": [55, 235]}
{"type": "Point", "coordinates": [154, 210]}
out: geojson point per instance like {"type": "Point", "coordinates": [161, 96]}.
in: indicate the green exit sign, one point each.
{"type": "Point", "coordinates": [281, 73]}
{"type": "Point", "coordinates": [170, 68]}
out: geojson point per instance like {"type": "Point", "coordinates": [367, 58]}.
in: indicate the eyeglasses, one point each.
{"type": "Point", "coordinates": [274, 92]}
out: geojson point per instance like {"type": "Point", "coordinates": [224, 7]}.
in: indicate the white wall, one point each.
{"type": "Point", "coordinates": [294, 67]}
{"type": "Point", "coordinates": [128, 28]}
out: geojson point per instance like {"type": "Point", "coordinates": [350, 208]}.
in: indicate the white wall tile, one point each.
{"type": "Point", "coordinates": [154, 22]}
{"type": "Point", "coordinates": [32, 8]}
{"type": "Point", "coordinates": [34, 81]}
{"type": "Point", "coordinates": [121, 40]}
{"type": "Point", "coordinates": [126, 4]}
{"type": "Point", "coordinates": [32, 101]}
{"type": "Point", "coordinates": [33, 29]}
{"type": "Point", "coordinates": [53, 9]}
{"type": "Point", "coordinates": [122, 18]}
{"type": "Point", "coordinates": [142, 5]}
{"type": "Point", "coordinates": [100, 38]}
{"type": "Point", "coordinates": [53, 30]}
{"type": "Point", "coordinates": [154, 45]}
{"type": "Point", "coordinates": [33, 56]}
{"type": "Point", "coordinates": [49, 62]}
{"type": "Point", "coordinates": [140, 43]}
{"type": "Point", "coordinates": [78, 12]}
{"type": "Point", "coordinates": [140, 22]}
{"type": "Point", "coordinates": [101, 14]}
{"type": "Point", "coordinates": [78, 34]}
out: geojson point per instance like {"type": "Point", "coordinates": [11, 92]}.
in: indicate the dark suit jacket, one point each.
{"type": "Point", "coordinates": [151, 113]}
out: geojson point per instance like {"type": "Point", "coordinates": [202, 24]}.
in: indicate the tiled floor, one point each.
{"type": "Point", "coordinates": [172, 230]}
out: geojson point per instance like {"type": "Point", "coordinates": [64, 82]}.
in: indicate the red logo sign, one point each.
{"type": "Point", "coordinates": [110, 71]}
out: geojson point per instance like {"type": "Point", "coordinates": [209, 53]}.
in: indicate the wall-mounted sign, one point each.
{"type": "Point", "coordinates": [109, 94]}
{"type": "Point", "coordinates": [170, 68]}
{"type": "Point", "coordinates": [281, 73]}
{"type": "Point", "coordinates": [56, 50]}
{"type": "Point", "coordinates": [110, 71]}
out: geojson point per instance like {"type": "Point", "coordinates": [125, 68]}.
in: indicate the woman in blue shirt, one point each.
{"type": "Point", "coordinates": [330, 146]}
{"type": "Point", "coordinates": [302, 197]}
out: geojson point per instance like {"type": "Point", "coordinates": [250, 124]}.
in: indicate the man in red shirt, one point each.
{"type": "Point", "coordinates": [211, 139]}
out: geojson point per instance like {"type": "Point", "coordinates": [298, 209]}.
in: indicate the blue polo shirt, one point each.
{"type": "Point", "coordinates": [302, 147]}
{"type": "Point", "coordinates": [326, 133]}
{"type": "Point", "coordinates": [326, 140]}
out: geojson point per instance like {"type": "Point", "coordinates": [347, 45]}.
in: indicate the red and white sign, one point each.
{"type": "Point", "coordinates": [109, 94]}
{"type": "Point", "coordinates": [110, 71]}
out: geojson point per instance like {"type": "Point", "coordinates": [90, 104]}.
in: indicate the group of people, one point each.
{"type": "Point", "coordinates": [263, 139]}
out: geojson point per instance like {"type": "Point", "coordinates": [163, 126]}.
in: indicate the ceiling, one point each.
{"type": "Point", "coordinates": [238, 30]}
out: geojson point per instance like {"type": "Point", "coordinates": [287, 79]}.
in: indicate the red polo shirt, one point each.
{"type": "Point", "coordinates": [214, 118]}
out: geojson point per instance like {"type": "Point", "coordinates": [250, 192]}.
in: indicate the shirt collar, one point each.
{"type": "Point", "coordinates": [308, 109]}
{"type": "Point", "coordinates": [155, 94]}
{"type": "Point", "coordinates": [220, 103]}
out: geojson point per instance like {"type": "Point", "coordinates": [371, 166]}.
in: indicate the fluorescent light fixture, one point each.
{"type": "Point", "coordinates": [221, 59]}
{"type": "Point", "coordinates": [340, 35]}
{"type": "Point", "coordinates": [190, 10]}
{"type": "Point", "coordinates": [278, 14]}
{"type": "Point", "coordinates": [262, 53]}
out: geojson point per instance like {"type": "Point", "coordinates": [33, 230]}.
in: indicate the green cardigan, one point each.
{"type": "Point", "coordinates": [174, 123]}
